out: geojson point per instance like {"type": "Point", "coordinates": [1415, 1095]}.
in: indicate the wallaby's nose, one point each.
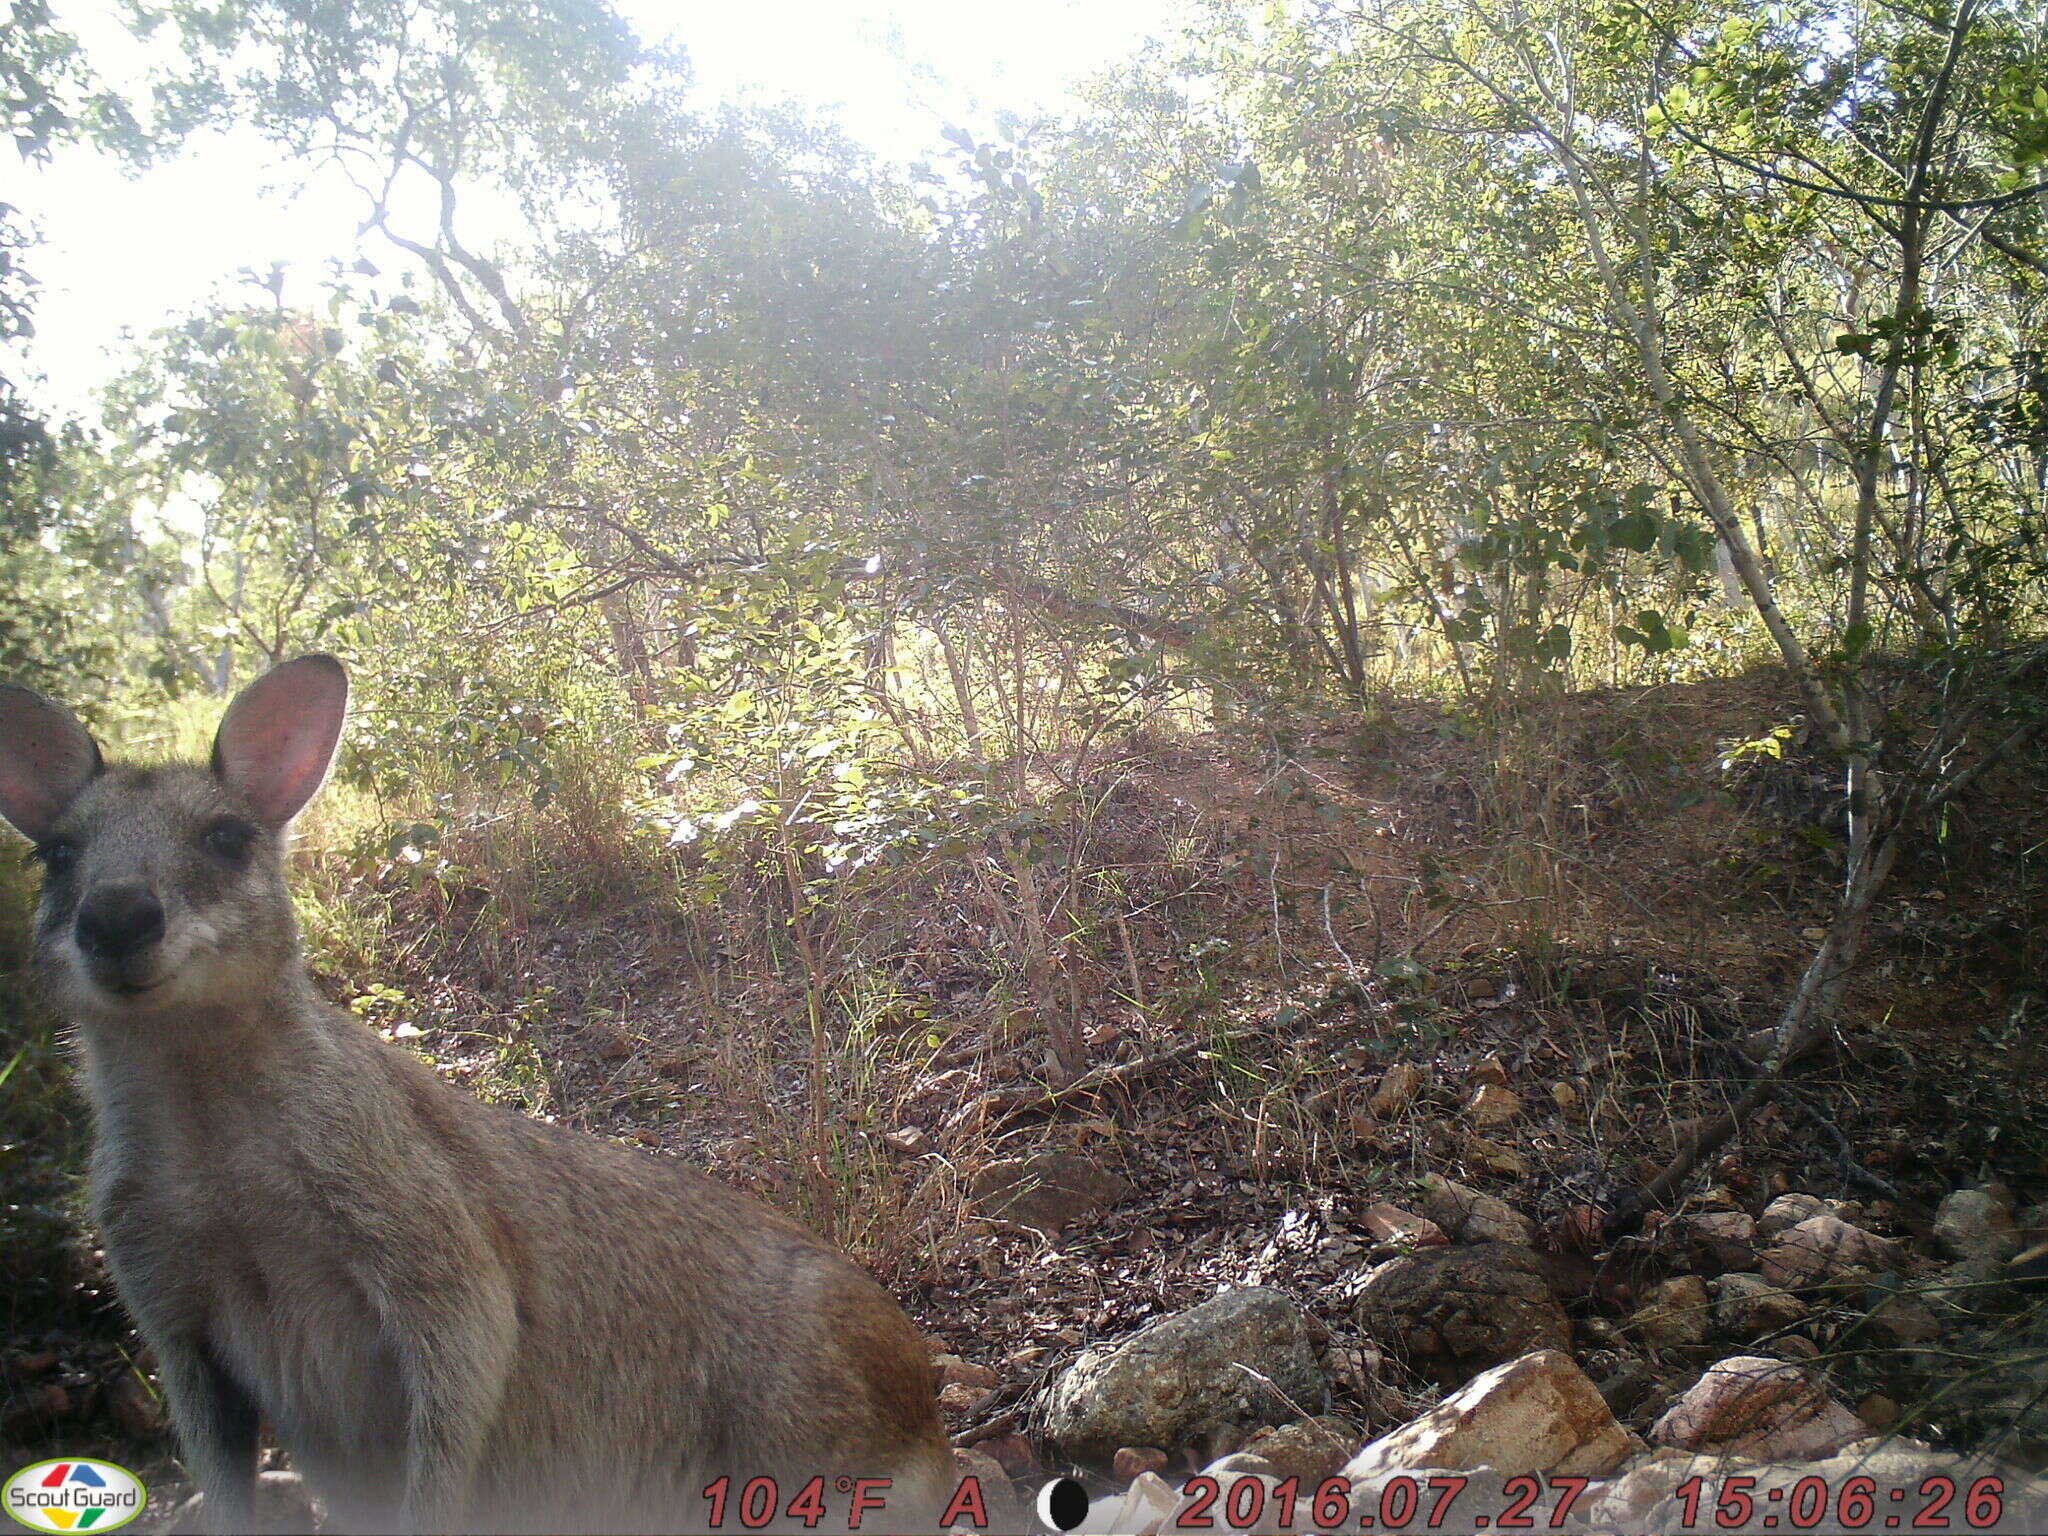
{"type": "Point", "coordinates": [117, 920]}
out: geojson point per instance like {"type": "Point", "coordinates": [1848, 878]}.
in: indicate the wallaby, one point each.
{"type": "Point", "coordinates": [455, 1317]}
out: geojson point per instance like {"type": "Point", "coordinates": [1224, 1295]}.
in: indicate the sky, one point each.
{"type": "Point", "coordinates": [122, 254]}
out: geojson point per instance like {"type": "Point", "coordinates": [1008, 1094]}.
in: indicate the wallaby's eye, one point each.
{"type": "Point", "coordinates": [58, 855]}
{"type": "Point", "coordinates": [230, 838]}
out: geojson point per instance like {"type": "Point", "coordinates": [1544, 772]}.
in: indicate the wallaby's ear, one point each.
{"type": "Point", "coordinates": [46, 758]}
{"type": "Point", "coordinates": [279, 734]}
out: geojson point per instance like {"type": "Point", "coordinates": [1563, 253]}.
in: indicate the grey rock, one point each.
{"type": "Point", "coordinates": [1977, 1224]}
{"type": "Point", "coordinates": [1241, 1358]}
{"type": "Point", "coordinates": [1045, 1190]}
{"type": "Point", "coordinates": [1453, 1311]}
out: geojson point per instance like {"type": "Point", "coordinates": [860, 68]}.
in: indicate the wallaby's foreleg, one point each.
{"type": "Point", "coordinates": [216, 1422]}
{"type": "Point", "coordinates": [456, 1368]}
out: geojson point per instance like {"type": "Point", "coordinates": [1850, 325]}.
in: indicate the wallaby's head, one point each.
{"type": "Point", "coordinates": [163, 887]}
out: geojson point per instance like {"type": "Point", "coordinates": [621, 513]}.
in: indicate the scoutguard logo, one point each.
{"type": "Point", "coordinates": [75, 1495]}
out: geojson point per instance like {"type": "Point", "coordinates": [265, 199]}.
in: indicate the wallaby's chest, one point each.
{"type": "Point", "coordinates": [222, 1234]}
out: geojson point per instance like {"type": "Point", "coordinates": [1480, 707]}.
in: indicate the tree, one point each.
{"type": "Point", "coordinates": [1858, 231]}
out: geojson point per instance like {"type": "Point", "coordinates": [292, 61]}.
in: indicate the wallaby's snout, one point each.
{"type": "Point", "coordinates": [117, 921]}
{"type": "Point", "coordinates": [118, 924]}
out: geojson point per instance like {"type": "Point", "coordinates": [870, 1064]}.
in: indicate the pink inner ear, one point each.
{"type": "Point", "coordinates": [46, 758]}
{"type": "Point", "coordinates": [280, 733]}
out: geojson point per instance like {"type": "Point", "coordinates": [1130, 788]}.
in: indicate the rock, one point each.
{"type": "Point", "coordinates": [908, 1141]}
{"type": "Point", "coordinates": [1676, 1314]}
{"type": "Point", "coordinates": [1265, 1523]}
{"type": "Point", "coordinates": [1493, 1105]}
{"type": "Point", "coordinates": [1977, 1224]}
{"type": "Point", "coordinates": [1821, 1247]}
{"type": "Point", "coordinates": [1356, 1369]}
{"type": "Point", "coordinates": [1788, 1211]}
{"type": "Point", "coordinates": [1889, 1464]}
{"type": "Point", "coordinates": [1397, 1089]}
{"type": "Point", "coordinates": [1310, 1449]}
{"type": "Point", "coordinates": [1750, 1406]}
{"type": "Point", "coordinates": [1538, 1413]}
{"type": "Point", "coordinates": [944, 1089]}
{"type": "Point", "coordinates": [1724, 1239]}
{"type": "Point", "coordinates": [1006, 1511]}
{"type": "Point", "coordinates": [1970, 1286]}
{"type": "Point", "coordinates": [1046, 1190]}
{"type": "Point", "coordinates": [1451, 1311]}
{"type": "Point", "coordinates": [954, 1370]}
{"type": "Point", "coordinates": [1901, 1319]}
{"type": "Point", "coordinates": [1145, 1506]}
{"type": "Point", "coordinates": [1013, 1453]}
{"type": "Point", "coordinates": [282, 1506]}
{"type": "Point", "coordinates": [1749, 1306]}
{"type": "Point", "coordinates": [1471, 1217]}
{"type": "Point", "coordinates": [1493, 1157]}
{"type": "Point", "coordinates": [1134, 1461]}
{"type": "Point", "coordinates": [1240, 1358]}
{"type": "Point", "coordinates": [1630, 1382]}
{"type": "Point", "coordinates": [1489, 1072]}
{"type": "Point", "coordinates": [1238, 1464]}
{"type": "Point", "coordinates": [1564, 1096]}
{"type": "Point", "coordinates": [1625, 1503]}
{"type": "Point", "coordinates": [1390, 1224]}
{"type": "Point", "coordinates": [958, 1397]}
{"type": "Point", "coordinates": [1878, 1411]}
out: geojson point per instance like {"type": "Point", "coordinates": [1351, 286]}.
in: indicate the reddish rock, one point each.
{"type": "Point", "coordinates": [1134, 1461]}
{"type": "Point", "coordinates": [1493, 1105]}
{"type": "Point", "coordinates": [1014, 1453]}
{"type": "Point", "coordinates": [1471, 1217]}
{"type": "Point", "coordinates": [1539, 1413]}
{"type": "Point", "coordinates": [908, 1141]}
{"type": "Point", "coordinates": [1006, 1512]}
{"type": "Point", "coordinates": [1398, 1087]}
{"type": "Point", "coordinates": [1788, 1210]}
{"type": "Point", "coordinates": [952, 1369]}
{"type": "Point", "coordinates": [1388, 1223]}
{"type": "Point", "coordinates": [1821, 1247]}
{"type": "Point", "coordinates": [958, 1397]}
{"type": "Point", "coordinates": [1724, 1239]}
{"type": "Point", "coordinates": [1676, 1315]}
{"type": "Point", "coordinates": [1310, 1449]}
{"type": "Point", "coordinates": [1493, 1157]}
{"type": "Point", "coordinates": [1766, 1409]}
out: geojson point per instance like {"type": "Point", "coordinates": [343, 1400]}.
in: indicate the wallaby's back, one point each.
{"type": "Point", "coordinates": [456, 1317]}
